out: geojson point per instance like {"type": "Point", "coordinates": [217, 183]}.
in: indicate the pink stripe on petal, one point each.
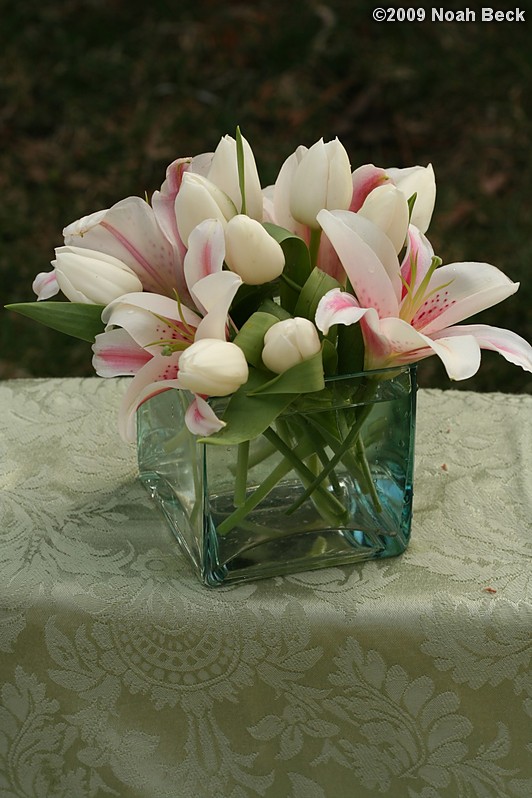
{"type": "Point", "coordinates": [365, 179]}
{"type": "Point", "coordinates": [158, 375]}
{"type": "Point", "coordinates": [116, 354]}
{"type": "Point", "coordinates": [337, 307]}
{"type": "Point", "coordinates": [507, 343]}
{"type": "Point", "coordinates": [206, 252]}
{"type": "Point", "coordinates": [201, 419]}
{"type": "Point", "coordinates": [45, 285]}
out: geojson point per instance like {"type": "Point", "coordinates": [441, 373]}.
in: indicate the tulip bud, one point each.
{"type": "Point", "coordinates": [288, 343]}
{"type": "Point", "coordinates": [212, 367]}
{"type": "Point", "coordinates": [224, 173]}
{"type": "Point", "coordinates": [387, 208]}
{"type": "Point", "coordinates": [418, 180]}
{"type": "Point", "coordinates": [322, 180]}
{"type": "Point", "coordinates": [199, 199]}
{"type": "Point", "coordinates": [86, 275]}
{"type": "Point", "coordinates": [251, 252]}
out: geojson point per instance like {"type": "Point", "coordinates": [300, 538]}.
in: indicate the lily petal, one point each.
{"type": "Point", "coordinates": [419, 251]}
{"type": "Point", "coordinates": [417, 180]}
{"type": "Point", "coordinates": [365, 179]}
{"type": "Point", "coordinates": [117, 354]}
{"type": "Point", "coordinates": [201, 419]}
{"type": "Point", "coordinates": [158, 375]}
{"type": "Point", "coordinates": [139, 314]}
{"type": "Point", "coordinates": [464, 289]}
{"type": "Point", "coordinates": [215, 292]}
{"type": "Point", "coordinates": [379, 242]}
{"type": "Point", "coordinates": [368, 276]}
{"type": "Point", "coordinates": [163, 201]}
{"type": "Point", "coordinates": [507, 343]}
{"type": "Point", "coordinates": [206, 251]}
{"type": "Point", "coordinates": [460, 355]}
{"type": "Point", "coordinates": [129, 231]}
{"type": "Point", "coordinates": [45, 285]}
{"type": "Point", "coordinates": [337, 307]}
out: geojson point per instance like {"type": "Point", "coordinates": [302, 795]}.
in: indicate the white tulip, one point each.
{"type": "Point", "coordinates": [288, 343]}
{"type": "Point", "coordinates": [251, 252]}
{"type": "Point", "coordinates": [92, 277]}
{"type": "Point", "coordinates": [224, 173]}
{"type": "Point", "coordinates": [199, 199]}
{"type": "Point", "coordinates": [212, 367]}
{"type": "Point", "coordinates": [387, 207]}
{"type": "Point", "coordinates": [417, 180]}
{"type": "Point", "coordinates": [322, 179]}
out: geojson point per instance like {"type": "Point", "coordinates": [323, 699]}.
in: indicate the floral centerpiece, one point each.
{"type": "Point", "coordinates": [288, 320]}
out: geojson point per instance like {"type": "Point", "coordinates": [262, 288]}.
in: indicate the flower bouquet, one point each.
{"type": "Point", "coordinates": [272, 336]}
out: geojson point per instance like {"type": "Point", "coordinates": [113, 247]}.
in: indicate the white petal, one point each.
{"type": "Point", "coordinates": [117, 354]}
{"type": "Point", "coordinates": [216, 292]}
{"type": "Point", "coordinates": [460, 355]}
{"type": "Point", "coordinates": [159, 374]}
{"type": "Point", "coordinates": [417, 180]}
{"type": "Point", "coordinates": [129, 231]}
{"type": "Point", "coordinates": [45, 285]}
{"type": "Point", "coordinates": [139, 315]}
{"type": "Point", "coordinates": [368, 276]}
{"type": "Point", "coordinates": [379, 242]}
{"type": "Point", "coordinates": [418, 250]}
{"type": "Point", "coordinates": [206, 251]}
{"type": "Point", "coordinates": [337, 307]}
{"type": "Point", "coordinates": [201, 419]}
{"type": "Point", "coordinates": [472, 287]}
{"type": "Point", "coordinates": [507, 343]}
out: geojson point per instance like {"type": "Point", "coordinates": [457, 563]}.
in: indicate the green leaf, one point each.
{"type": "Point", "coordinates": [411, 203]}
{"type": "Point", "coordinates": [297, 263]}
{"type": "Point", "coordinates": [301, 378]}
{"type": "Point", "coordinates": [269, 306]}
{"type": "Point", "coordinates": [330, 357]}
{"type": "Point", "coordinates": [350, 349]}
{"type": "Point", "coordinates": [247, 416]}
{"type": "Point", "coordinates": [249, 298]}
{"type": "Point", "coordinates": [316, 286]}
{"type": "Point", "coordinates": [250, 337]}
{"type": "Point", "coordinates": [77, 319]}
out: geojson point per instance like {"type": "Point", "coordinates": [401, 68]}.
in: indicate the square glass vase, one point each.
{"type": "Point", "coordinates": [329, 483]}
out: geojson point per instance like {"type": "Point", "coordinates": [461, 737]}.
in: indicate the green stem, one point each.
{"type": "Point", "coordinates": [361, 451]}
{"type": "Point", "coordinates": [333, 462]}
{"type": "Point", "coordinates": [330, 503]}
{"type": "Point", "coordinates": [280, 471]}
{"type": "Point", "coordinates": [241, 473]}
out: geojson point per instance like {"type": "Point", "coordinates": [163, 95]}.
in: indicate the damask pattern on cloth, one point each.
{"type": "Point", "coordinates": [121, 675]}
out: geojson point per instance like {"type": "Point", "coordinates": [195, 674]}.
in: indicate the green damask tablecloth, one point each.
{"type": "Point", "coordinates": [121, 675]}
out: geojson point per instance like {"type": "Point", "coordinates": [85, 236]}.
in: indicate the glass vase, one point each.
{"type": "Point", "coordinates": [329, 483]}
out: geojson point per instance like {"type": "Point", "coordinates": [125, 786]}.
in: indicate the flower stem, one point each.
{"type": "Point", "coordinates": [241, 474]}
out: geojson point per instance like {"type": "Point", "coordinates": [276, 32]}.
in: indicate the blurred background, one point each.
{"type": "Point", "coordinates": [99, 96]}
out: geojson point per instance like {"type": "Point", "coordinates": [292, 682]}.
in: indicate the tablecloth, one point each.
{"type": "Point", "coordinates": [122, 675]}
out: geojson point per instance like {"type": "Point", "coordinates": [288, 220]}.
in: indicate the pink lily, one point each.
{"type": "Point", "coordinates": [418, 180]}
{"type": "Point", "coordinates": [163, 328]}
{"type": "Point", "coordinates": [144, 238]}
{"type": "Point", "coordinates": [407, 311]}
{"type": "Point", "coordinates": [129, 231]}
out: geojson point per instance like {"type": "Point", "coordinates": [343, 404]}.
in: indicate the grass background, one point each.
{"type": "Point", "coordinates": [98, 96]}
